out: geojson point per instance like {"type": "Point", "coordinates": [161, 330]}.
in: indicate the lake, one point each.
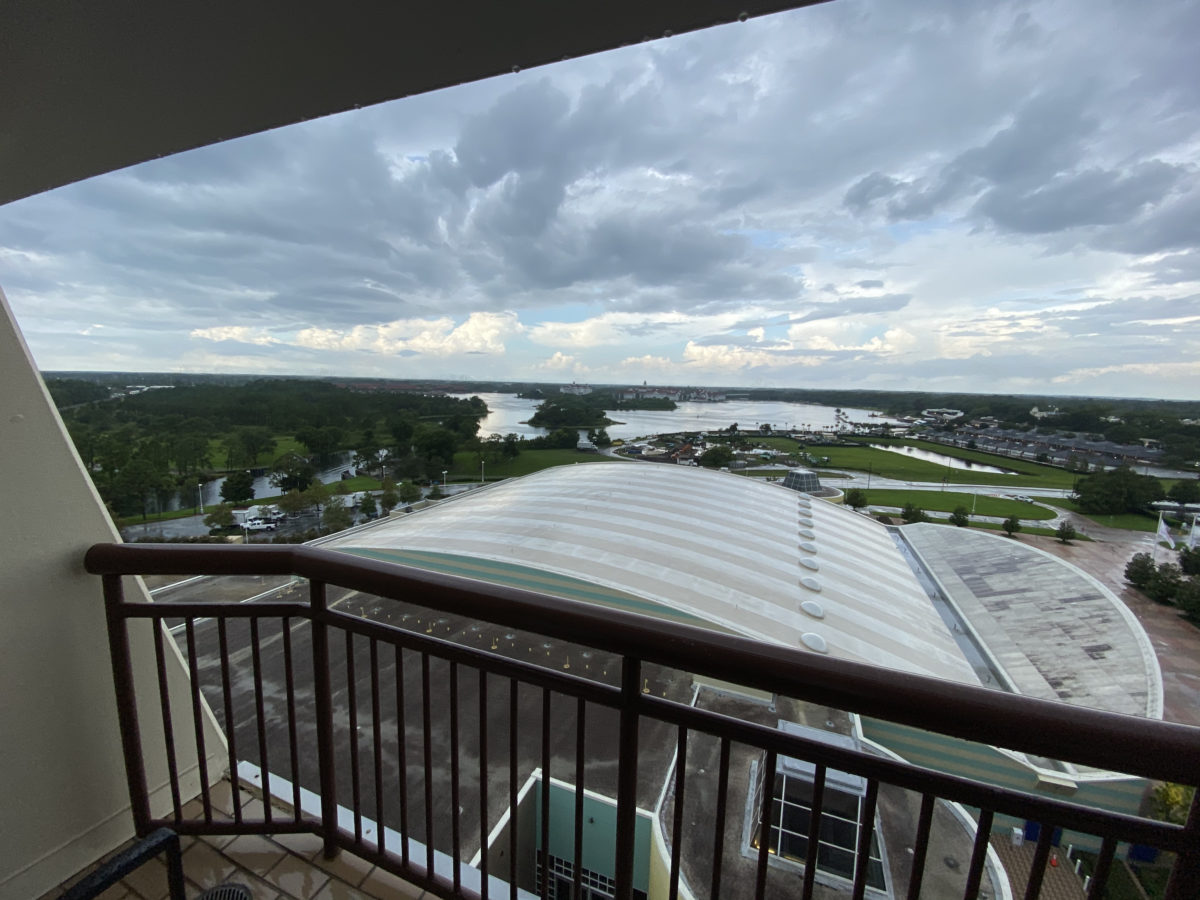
{"type": "Point", "coordinates": [942, 460]}
{"type": "Point", "coordinates": [507, 412]}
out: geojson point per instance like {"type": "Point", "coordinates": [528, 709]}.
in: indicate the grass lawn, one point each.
{"type": "Point", "coordinates": [283, 444]}
{"type": "Point", "coordinates": [887, 464]}
{"type": "Point", "coordinates": [947, 501]}
{"type": "Point", "coordinates": [1127, 521]}
{"type": "Point", "coordinates": [466, 463]}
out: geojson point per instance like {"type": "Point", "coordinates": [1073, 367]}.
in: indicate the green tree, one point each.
{"type": "Point", "coordinates": [390, 496]}
{"type": "Point", "coordinates": [402, 428]}
{"type": "Point", "coordinates": [221, 516]}
{"type": "Point", "coordinates": [1065, 532]}
{"type": "Point", "coordinates": [1139, 571]}
{"type": "Point", "coordinates": [238, 487]}
{"type": "Point", "coordinates": [512, 446]}
{"type": "Point", "coordinates": [716, 457]}
{"type": "Point", "coordinates": [322, 442]}
{"type": "Point", "coordinates": [912, 513]}
{"type": "Point", "coordinates": [1171, 802]}
{"type": "Point", "coordinates": [435, 444]}
{"type": "Point", "coordinates": [1165, 584]}
{"type": "Point", "coordinates": [1116, 491]}
{"type": "Point", "coordinates": [1185, 490]}
{"type": "Point", "coordinates": [1189, 560]}
{"type": "Point", "coordinates": [316, 496]}
{"type": "Point", "coordinates": [292, 503]}
{"type": "Point", "coordinates": [291, 470]}
{"type": "Point", "coordinates": [1187, 598]}
{"type": "Point", "coordinates": [367, 506]}
{"type": "Point", "coordinates": [961, 517]}
{"type": "Point", "coordinates": [253, 441]}
{"type": "Point", "coordinates": [337, 517]}
{"type": "Point", "coordinates": [856, 499]}
{"type": "Point", "coordinates": [409, 492]}
{"type": "Point", "coordinates": [435, 493]}
{"type": "Point", "coordinates": [1011, 526]}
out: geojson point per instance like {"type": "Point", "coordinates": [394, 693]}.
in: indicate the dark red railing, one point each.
{"type": "Point", "coordinates": [349, 667]}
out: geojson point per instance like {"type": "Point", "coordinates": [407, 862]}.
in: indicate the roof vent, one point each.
{"type": "Point", "coordinates": [807, 534]}
{"type": "Point", "coordinates": [806, 523]}
{"type": "Point", "coordinates": [814, 641]}
{"type": "Point", "coordinates": [811, 583]}
{"type": "Point", "coordinates": [813, 608]}
{"type": "Point", "coordinates": [808, 546]}
{"type": "Point", "coordinates": [810, 563]}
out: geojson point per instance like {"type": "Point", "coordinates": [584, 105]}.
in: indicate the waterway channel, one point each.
{"type": "Point", "coordinates": [941, 459]}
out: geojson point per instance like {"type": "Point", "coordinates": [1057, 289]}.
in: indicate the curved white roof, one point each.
{"type": "Point", "coordinates": [745, 556]}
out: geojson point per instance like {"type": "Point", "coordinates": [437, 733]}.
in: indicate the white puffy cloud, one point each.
{"type": "Point", "coordinates": [243, 334]}
{"type": "Point", "coordinates": [480, 333]}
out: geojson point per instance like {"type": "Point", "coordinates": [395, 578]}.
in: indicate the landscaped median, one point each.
{"type": "Point", "coordinates": [948, 501]}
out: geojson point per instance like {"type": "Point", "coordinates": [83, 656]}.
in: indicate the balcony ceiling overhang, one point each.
{"type": "Point", "coordinates": [86, 88]}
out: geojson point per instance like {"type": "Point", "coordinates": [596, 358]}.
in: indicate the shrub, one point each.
{"type": "Point", "coordinates": [913, 513]}
{"type": "Point", "coordinates": [1011, 526]}
{"type": "Point", "coordinates": [1140, 570]}
{"type": "Point", "coordinates": [1065, 532]}
{"type": "Point", "coordinates": [1165, 584]}
{"type": "Point", "coordinates": [960, 517]}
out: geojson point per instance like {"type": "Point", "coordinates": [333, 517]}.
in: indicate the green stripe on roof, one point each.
{"type": "Point", "coordinates": [527, 578]}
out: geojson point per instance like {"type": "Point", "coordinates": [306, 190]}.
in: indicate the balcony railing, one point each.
{"type": "Point", "coordinates": [420, 737]}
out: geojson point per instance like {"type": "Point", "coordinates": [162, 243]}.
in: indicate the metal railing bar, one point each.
{"type": "Point", "coordinates": [213, 610]}
{"type": "Point", "coordinates": [1110, 741]}
{"type": "Point", "coordinates": [323, 695]}
{"type": "Point", "coordinates": [866, 829]}
{"type": "Point", "coordinates": [402, 752]}
{"type": "Point", "coordinates": [1104, 861]}
{"type": "Point", "coordinates": [983, 833]}
{"type": "Point", "coordinates": [260, 713]}
{"type": "Point", "coordinates": [545, 795]}
{"type": "Point", "coordinates": [352, 733]}
{"type": "Point", "coordinates": [921, 847]}
{"type": "Point", "coordinates": [719, 818]}
{"type": "Point", "coordinates": [766, 819]}
{"type": "Point", "coordinates": [164, 702]}
{"type": "Point", "coordinates": [289, 672]}
{"type": "Point", "coordinates": [580, 740]}
{"type": "Point", "coordinates": [427, 734]}
{"type": "Point", "coordinates": [917, 778]}
{"type": "Point", "coordinates": [246, 826]}
{"type": "Point", "coordinates": [529, 673]}
{"type": "Point", "coordinates": [127, 717]}
{"type": "Point", "coordinates": [677, 824]}
{"type": "Point", "coordinates": [814, 831]}
{"type": "Point", "coordinates": [377, 747]}
{"type": "Point", "coordinates": [198, 718]}
{"type": "Point", "coordinates": [455, 836]}
{"type": "Point", "coordinates": [513, 721]}
{"type": "Point", "coordinates": [483, 782]}
{"type": "Point", "coordinates": [230, 734]}
{"type": "Point", "coordinates": [1033, 887]}
{"type": "Point", "coordinates": [627, 774]}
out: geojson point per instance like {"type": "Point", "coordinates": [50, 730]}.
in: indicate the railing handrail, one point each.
{"type": "Point", "coordinates": [1103, 740]}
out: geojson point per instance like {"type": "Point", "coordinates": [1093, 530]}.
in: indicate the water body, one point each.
{"type": "Point", "coordinates": [508, 412]}
{"type": "Point", "coordinates": [211, 491]}
{"type": "Point", "coordinates": [942, 460]}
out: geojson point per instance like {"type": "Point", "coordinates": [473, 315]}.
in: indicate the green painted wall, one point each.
{"type": "Point", "coordinates": [599, 833]}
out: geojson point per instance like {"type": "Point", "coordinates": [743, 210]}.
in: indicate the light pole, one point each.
{"type": "Point", "coordinates": [444, 472]}
{"type": "Point", "coordinates": [199, 498]}
{"type": "Point", "coordinates": [481, 481]}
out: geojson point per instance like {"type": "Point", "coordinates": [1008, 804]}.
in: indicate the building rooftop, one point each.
{"type": "Point", "coordinates": [664, 540]}
{"type": "Point", "coordinates": [1054, 632]}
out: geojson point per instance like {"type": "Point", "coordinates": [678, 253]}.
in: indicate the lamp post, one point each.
{"type": "Point", "coordinates": [199, 498]}
{"type": "Point", "coordinates": [444, 472]}
{"type": "Point", "coordinates": [481, 481]}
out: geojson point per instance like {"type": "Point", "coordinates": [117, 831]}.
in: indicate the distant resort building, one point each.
{"type": "Point", "coordinates": [679, 395]}
{"type": "Point", "coordinates": [578, 390]}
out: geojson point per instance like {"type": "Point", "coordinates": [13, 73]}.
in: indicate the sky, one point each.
{"type": "Point", "coordinates": [936, 195]}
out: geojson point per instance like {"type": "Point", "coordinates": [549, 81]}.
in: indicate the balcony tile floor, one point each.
{"type": "Point", "coordinates": [280, 867]}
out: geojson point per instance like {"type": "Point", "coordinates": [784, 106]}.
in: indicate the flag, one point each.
{"type": "Point", "coordinates": [1164, 533]}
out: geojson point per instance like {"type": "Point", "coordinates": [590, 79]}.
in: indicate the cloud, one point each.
{"type": "Point", "coordinates": [243, 334]}
{"type": "Point", "coordinates": [906, 194]}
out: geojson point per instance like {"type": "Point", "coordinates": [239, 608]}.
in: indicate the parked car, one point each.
{"type": "Point", "coordinates": [259, 525]}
